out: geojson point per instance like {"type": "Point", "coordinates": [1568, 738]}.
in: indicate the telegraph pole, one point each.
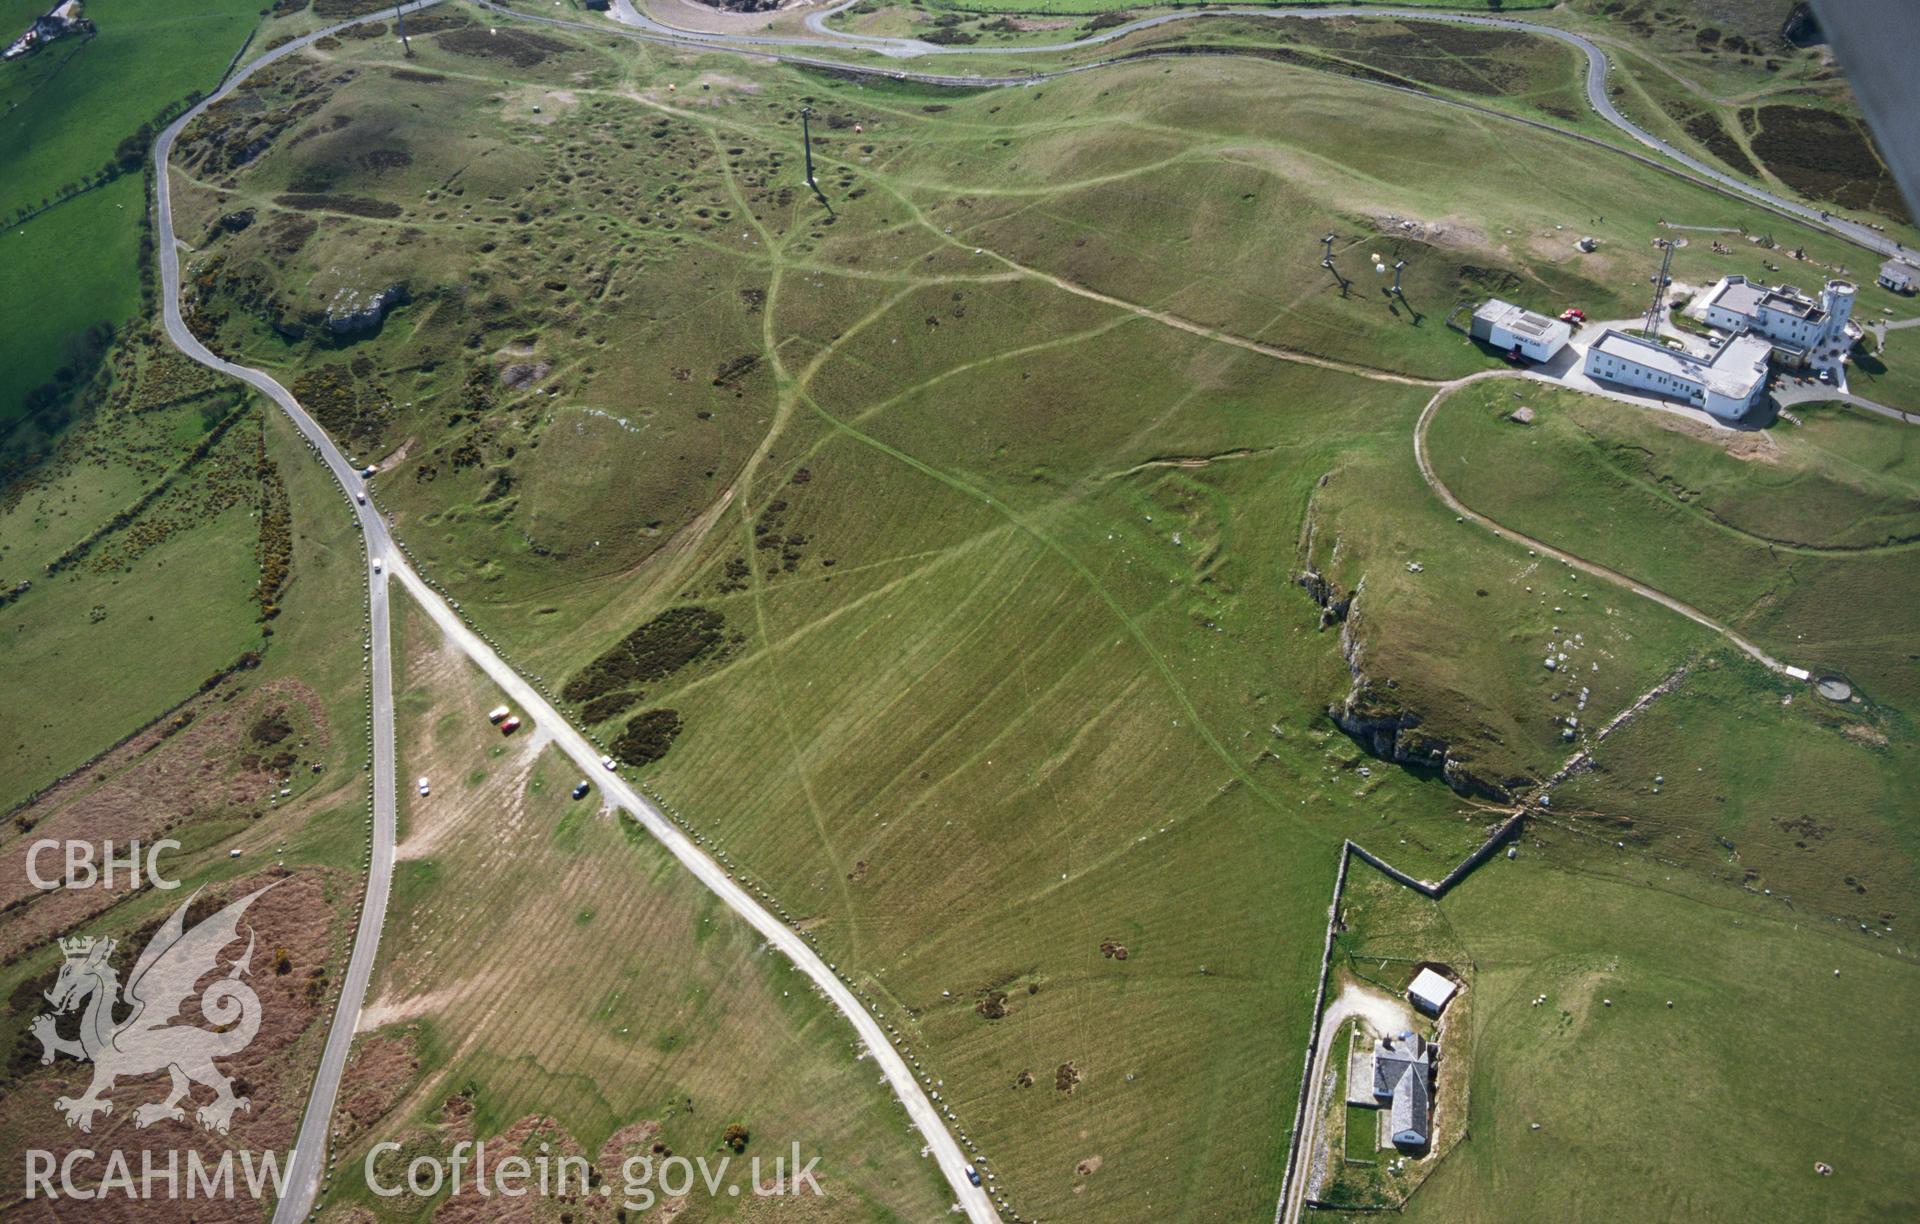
{"type": "Point", "coordinates": [400, 19]}
{"type": "Point", "coordinates": [806, 139]}
{"type": "Point", "coordinates": [1398, 265]}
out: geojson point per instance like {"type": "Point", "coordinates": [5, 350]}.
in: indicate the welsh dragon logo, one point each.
{"type": "Point", "coordinates": [145, 1040]}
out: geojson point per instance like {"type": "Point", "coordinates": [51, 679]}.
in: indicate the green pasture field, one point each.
{"type": "Point", "coordinates": [174, 575]}
{"type": "Point", "coordinates": [67, 106]}
{"type": "Point", "coordinates": [1845, 479]}
{"type": "Point", "coordinates": [88, 247]}
{"type": "Point", "coordinates": [1764, 785]}
{"type": "Point", "coordinates": [63, 113]}
{"type": "Point", "coordinates": [162, 602]}
{"type": "Point", "coordinates": [1664, 1100]}
{"type": "Point", "coordinates": [105, 465]}
{"type": "Point", "coordinates": [152, 605]}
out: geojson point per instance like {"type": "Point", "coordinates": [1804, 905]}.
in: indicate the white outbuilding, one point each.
{"type": "Point", "coordinates": [1513, 328]}
{"type": "Point", "coordinates": [1430, 991]}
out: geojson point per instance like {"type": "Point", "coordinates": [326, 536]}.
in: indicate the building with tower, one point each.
{"type": "Point", "coordinates": [1803, 330]}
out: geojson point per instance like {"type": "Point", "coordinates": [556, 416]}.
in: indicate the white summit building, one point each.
{"type": "Point", "coordinates": [1728, 384]}
{"type": "Point", "coordinates": [1513, 328]}
{"type": "Point", "coordinates": [1800, 327]}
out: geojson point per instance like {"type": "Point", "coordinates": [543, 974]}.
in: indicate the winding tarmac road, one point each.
{"type": "Point", "coordinates": [912, 48]}
{"type": "Point", "coordinates": [386, 561]}
{"type": "Point", "coordinates": [1545, 549]}
{"type": "Point", "coordinates": [309, 1155]}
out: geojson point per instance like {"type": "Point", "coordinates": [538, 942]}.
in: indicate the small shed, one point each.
{"type": "Point", "coordinates": [1431, 991]}
{"type": "Point", "coordinates": [1897, 276]}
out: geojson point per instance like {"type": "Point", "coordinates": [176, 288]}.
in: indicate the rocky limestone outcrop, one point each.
{"type": "Point", "coordinates": [1333, 604]}
{"type": "Point", "coordinates": [1373, 716]}
{"type": "Point", "coordinates": [349, 316]}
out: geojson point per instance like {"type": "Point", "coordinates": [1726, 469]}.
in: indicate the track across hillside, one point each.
{"type": "Point", "coordinates": [385, 562]}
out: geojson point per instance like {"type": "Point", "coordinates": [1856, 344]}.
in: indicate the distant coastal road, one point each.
{"type": "Point", "coordinates": [1597, 69]}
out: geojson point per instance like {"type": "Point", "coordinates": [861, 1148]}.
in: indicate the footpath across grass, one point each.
{"type": "Point", "coordinates": [1799, 537]}
{"type": "Point", "coordinates": [506, 887]}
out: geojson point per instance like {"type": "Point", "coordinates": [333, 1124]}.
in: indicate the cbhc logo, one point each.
{"type": "Point", "coordinates": [82, 871]}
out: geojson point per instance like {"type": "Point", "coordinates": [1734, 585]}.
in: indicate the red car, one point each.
{"type": "Point", "coordinates": [1573, 314]}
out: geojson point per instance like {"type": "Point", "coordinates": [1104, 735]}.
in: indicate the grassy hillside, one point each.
{"type": "Point", "coordinates": [935, 544]}
{"type": "Point", "coordinates": [1794, 536]}
{"type": "Point", "coordinates": [140, 539]}
{"type": "Point", "coordinates": [261, 778]}
{"type": "Point", "coordinates": [1665, 1099]}
{"type": "Point", "coordinates": [69, 106]}
{"type": "Point", "coordinates": [90, 247]}
{"type": "Point", "coordinates": [1082, 7]}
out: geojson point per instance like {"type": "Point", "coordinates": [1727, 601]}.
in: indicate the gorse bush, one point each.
{"type": "Point", "coordinates": [654, 651]}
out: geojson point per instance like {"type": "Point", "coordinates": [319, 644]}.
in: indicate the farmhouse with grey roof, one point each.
{"type": "Point", "coordinates": [1403, 1085]}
